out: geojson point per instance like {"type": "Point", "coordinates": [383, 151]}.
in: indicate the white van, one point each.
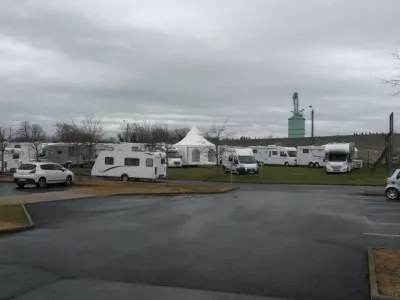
{"type": "Point", "coordinates": [312, 156]}
{"type": "Point", "coordinates": [283, 156]}
{"type": "Point", "coordinates": [239, 161]}
{"type": "Point", "coordinates": [124, 163]}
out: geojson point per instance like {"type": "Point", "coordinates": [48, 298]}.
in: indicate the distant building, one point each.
{"type": "Point", "coordinates": [296, 123]}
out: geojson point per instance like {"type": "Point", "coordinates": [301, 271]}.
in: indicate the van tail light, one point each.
{"type": "Point", "coordinates": [33, 171]}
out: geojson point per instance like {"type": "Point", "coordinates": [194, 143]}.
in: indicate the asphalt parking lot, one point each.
{"type": "Point", "coordinates": [10, 189]}
{"type": "Point", "coordinates": [302, 242]}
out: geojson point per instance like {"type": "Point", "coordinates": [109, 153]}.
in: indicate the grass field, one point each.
{"type": "Point", "coordinates": [12, 216]}
{"type": "Point", "coordinates": [277, 174]}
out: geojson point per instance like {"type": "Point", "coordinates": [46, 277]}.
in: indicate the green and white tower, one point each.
{"type": "Point", "coordinates": [297, 123]}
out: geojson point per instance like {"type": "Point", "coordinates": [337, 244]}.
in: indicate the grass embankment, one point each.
{"type": "Point", "coordinates": [12, 216]}
{"type": "Point", "coordinates": [106, 188]}
{"type": "Point", "coordinates": [277, 174]}
{"type": "Point", "coordinates": [387, 268]}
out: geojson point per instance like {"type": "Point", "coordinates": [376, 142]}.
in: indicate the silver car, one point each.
{"type": "Point", "coordinates": [392, 189]}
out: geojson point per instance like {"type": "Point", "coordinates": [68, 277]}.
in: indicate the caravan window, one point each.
{"type": "Point", "coordinates": [306, 150]}
{"type": "Point", "coordinates": [59, 152]}
{"type": "Point", "coordinates": [132, 162]}
{"type": "Point", "coordinates": [109, 160]}
{"type": "Point", "coordinates": [163, 161]}
{"type": "Point", "coordinates": [274, 152]}
{"type": "Point", "coordinates": [254, 150]}
{"type": "Point", "coordinates": [149, 162]}
{"type": "Point", "coordinates": [17, 146]}
{"type": "Point", "coordinates": [15, 156]}
{"type": "Point", "coordinates": [71, 151]}
{"type": "Point", "coordinates": [135, 148]}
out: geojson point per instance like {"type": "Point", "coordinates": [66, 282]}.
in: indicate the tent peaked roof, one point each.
{"type": "Point", "coordinates": [194, 138]}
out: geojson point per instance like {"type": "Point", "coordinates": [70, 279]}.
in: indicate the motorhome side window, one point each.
{"type": "Point", "coordinates": [306, 150]}
{"type": "Point", "coordinates": [17, 146]}
{"type": "Point", "coordinates": [254, 150]}
{"type": "Point", "coordinates": [15, 156]}
{"type": "Point", "coordinates": [149, 162]}
{"type": "Point", "coordinates": [71, 151]}
{"type": "Point", "coordinates": [132, 161]}
{"type": "Point", "coordinates": [135, 148]}
{"type": "Point", "coordinates": [109, 160]}
{"type": "Point", "coordinates": [59, 152]}
{"type": "Point", "coordinates": [230, 157]}
{"type": "Point", "coordinates": [274, 152]}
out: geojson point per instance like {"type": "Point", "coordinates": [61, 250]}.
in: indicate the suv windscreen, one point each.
{"type": "Point", "coordinates": [391, 172]}
{"type": "Point", "coordinates": [27, 167]}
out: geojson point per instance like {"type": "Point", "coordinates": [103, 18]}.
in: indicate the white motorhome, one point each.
{"type": "Point", "coordinates": [239, 161]}
{"type": "Point", "coordinates": [358, 162]}
{"type": "Point", "coordinates": [260, 154]}
{"type": "Point", "coordinates": [11, 159]}
{"type": "Point", "coordinates": [124, 163]}
{"type": "Point", "coordinates": [174, 159]}
{"type": "Point", "coordinates": [279, 155]}
{"type": "Point", "coordinates": [312, 156]}
{"type": "Point", "coordinates": [339, 157]}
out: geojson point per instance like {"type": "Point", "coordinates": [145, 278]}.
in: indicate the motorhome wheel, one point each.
{"type": "Point", "coordinates": [286, 164]}
{"type": "Point", "coordinates": [316, 165]}
{"type": "Point", "coordinates": [311, 165]}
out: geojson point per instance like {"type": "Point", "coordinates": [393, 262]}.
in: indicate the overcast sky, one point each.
{"type": "Point", "coordinates": [194, 62]}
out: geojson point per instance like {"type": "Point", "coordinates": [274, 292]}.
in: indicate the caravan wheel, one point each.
{"type": "Point", "coordinates": [68, 165]}
{"type": "Point", "coordinates": [124, 177]}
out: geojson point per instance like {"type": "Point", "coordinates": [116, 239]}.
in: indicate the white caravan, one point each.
{"type": "Point", "coordinates": [239, 161]}
{"type": "Point", "coordinates": [27, 151]}
{"type": "Point", "coordinates": [260, 154]}
{"type": "Point", "coordinates": [312, 156]}
{"type": "Point", "coordinates": [126, 164]}
{"type": "Point", "coordinates": [63, 154]}
{"type": "Point", "coordinates": [339, 157]}
{"type": "Point", "coordinates": [279, 155]}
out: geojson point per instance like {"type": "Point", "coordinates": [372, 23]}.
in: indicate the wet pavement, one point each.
{"type": "Point", "coordinates": [10, 189]}
{"type": "Point", "coordinates": [284, 241]}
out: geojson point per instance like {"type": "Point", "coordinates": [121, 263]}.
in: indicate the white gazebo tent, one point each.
{"type": "Point", "coordinates": [195, 149]}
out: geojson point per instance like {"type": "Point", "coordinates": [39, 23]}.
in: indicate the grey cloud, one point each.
{"type": "Point", "coordinates": [243, 67]}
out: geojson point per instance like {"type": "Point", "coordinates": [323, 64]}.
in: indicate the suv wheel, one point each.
{"type": "Point", "coordinates": [41, 183]}
{"type": "Point", "coordinates": [392, 194]}
{"type": "Point", "coordinates": [68, 181]}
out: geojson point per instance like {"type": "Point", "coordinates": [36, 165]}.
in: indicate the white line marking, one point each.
{"type": "Point", "coordinates": [382, 208]}
{"type": "Point", "coordinates": [382, 234]}
{"type": "Point", "coordinates": [381, 202]}
{"type": "Point", "coordinates": [380, 223]}
{"type": "Point", "coordinates": [377, 214]}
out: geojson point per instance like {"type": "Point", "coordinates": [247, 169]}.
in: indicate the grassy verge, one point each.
{"type": "Point", "coordinates": [105, 188]}
{"type": "Point", "coordinates": [277, 174]}
{"type": "Point", "coordinates": [12, 216]}
{"type": "Point", "coordinates": [387, 268]}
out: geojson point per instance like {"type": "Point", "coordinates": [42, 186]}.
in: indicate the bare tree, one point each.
{"type": "Point", "coordinates": [32, 133]}
{"type": "Point", "coordinates": [217, 134]}
{"type": "Point", "coordinates": [4, 141]}
{"type": "Point", "coordinates": [93, 132]}
{"type": "Point", "coordinates": [395, 81]}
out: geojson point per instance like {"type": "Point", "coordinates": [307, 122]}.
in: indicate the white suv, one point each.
{"type": "Point", "coordinates": [41, 174]}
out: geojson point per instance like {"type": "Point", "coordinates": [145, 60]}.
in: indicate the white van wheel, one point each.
{"type": "Point", "coordinates": [311, 165]}
{"type": "Point", "coordinates": [392, 194]}
{"type": "Point", "coordinates": [316, 165]}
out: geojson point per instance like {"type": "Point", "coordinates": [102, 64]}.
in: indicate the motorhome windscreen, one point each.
{"type": "Point", "coordinates": [248, 159]}
{"type": "Point", "coordinates": [292, 153]}
{"type": "Point", "coordinates": [337, 157]}
{"type": "Point", "coordinates": [173, 155]}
